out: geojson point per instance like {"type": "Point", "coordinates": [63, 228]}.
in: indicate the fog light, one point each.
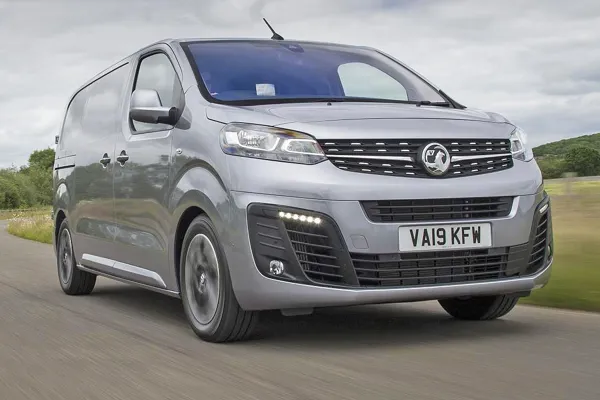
{"type": "Point", "coordinates": [276, 267]}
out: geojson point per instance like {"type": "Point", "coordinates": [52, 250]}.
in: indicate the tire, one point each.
{"type": "Point", "coordinates": [480, 308]}
{"type": "Point", "coordinates": [73, 281]}
{"type": "Point", "coordinates": [209, 301]}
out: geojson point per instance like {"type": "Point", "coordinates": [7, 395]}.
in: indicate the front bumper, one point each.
{"type": "Point", "coordinates": [519, 265]}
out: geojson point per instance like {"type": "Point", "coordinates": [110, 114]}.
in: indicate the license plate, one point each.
{"type": "Point", "coordinates": [445, 237]}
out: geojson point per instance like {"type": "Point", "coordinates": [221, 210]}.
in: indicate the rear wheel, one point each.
{"type": "Point", "coordinates": [73, 281]}
{"type": "Point", "coordinates": [208, 298]}
{"type": "Point", "coordinates": [480, 308]}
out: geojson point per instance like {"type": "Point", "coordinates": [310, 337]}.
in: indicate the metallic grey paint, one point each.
{"type": "Point", "coordinates": [126, 227]}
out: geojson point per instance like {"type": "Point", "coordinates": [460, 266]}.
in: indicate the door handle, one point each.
{"type": "Point", "coordinates": [105, 160]}
{"type": "Point", "coordinates": [122, 158]}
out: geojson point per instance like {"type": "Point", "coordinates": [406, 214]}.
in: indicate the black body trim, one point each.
{"type": "Point", "coordinates": [64, 167]}
{"type": "Point", "coordinates": [317, 254]}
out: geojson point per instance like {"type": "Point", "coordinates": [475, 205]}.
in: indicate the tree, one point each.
{"type": "Point", "coordinates": [583, 160]}
{"type": "Point", "coordinates": [552, 167]}
{"type": "Point", "coordinates": [43, 159]}
{"type": "Point", "coordinates": [42, 181]}
{"type": "Point", "coordinates": [16, 190]}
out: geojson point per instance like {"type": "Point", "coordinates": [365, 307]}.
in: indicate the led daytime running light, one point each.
{"type": "Point", "coordinates": [300, 217]}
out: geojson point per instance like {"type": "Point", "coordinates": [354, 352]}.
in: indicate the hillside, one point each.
{"type": "Point", "coordinates": [580, 155]}
{"type": "Point", "coordinates": [561, 147]}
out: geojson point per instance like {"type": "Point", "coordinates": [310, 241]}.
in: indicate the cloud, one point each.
{"type": "Point", "coordinates": [536, 62]}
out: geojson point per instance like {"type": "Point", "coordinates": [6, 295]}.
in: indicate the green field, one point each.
{"type": "Point", "coordinates": [575, 281]}
{"type": "Point", "coordinates": [578, 188]}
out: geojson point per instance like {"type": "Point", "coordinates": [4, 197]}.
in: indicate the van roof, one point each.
{"type": "Point", "coordinates": [249, 39]}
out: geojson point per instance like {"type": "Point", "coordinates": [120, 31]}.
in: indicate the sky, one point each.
{"type": "Point", "coordinates": [537, 62]}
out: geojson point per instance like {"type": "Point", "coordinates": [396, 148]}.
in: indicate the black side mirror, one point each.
{"type": "Point", "coordinates": [147, 107]}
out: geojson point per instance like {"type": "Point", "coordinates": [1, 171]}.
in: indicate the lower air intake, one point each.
{"type": "Point", "coordinates": [430, 268]}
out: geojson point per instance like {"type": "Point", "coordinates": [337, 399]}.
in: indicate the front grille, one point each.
{"type": "Point", "coordinates": [399, 157]}
{"type": "Point", "coordinates": [437, 209]}
{"type": "Point", "coordinates": [430, 268]}
{"type": "Point", "coordinates": [314, 251]}
{"type": "Point", "coordinates": [538, 252]}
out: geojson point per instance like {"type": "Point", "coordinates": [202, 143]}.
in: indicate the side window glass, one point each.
{"type": "Point", "coordinates": [102, 112]}
{"type": "Point", "coordinates": [363, 80]}
{"type": "Point", "coordinates": [157, 73]}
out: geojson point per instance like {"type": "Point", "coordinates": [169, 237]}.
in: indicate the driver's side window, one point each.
{"type": "Point", "coordinates": [363, 80]}
{"type": "Point", "coordinates": [156, 72]}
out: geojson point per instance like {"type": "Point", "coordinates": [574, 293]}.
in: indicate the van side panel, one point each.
{"type": "Point", "coordinates": [64, 162]}
{"type": "Point", "coordinates": [142, 183]}
{"type": "Point", "coordinates": [90, 139]}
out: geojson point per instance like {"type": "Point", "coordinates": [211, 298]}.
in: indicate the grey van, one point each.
{"type": "Point", "coordinates": [242, 175]}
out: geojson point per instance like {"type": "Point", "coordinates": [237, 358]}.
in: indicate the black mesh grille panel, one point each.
{"type": "Point", "coordinates": [437, 209]}
{"type": "Point", "coordinates": [538, 252]}
{"type": "Point", "coordinates": [314, 251]}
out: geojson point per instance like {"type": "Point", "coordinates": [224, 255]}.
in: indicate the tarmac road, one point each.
{"type": "Point", "coordinates": [126, 343]}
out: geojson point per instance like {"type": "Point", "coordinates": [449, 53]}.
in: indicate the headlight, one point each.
{"type": "Point", "coordinates": [519, 147]}
{"type": "Point", "coordinates": [270, 143]}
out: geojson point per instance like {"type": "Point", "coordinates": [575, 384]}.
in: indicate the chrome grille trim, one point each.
{"type": "Point", "coordinates": [391, 158]}
{"type": "Point", "coordinates": [479, 157]}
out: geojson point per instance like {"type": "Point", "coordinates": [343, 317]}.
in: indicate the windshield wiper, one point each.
{"type": "Point", "coordinates": [347, 99]}
{"type": "Point", "coordinates": [372, 100]}
{"type": "Point", "coordinates": [433, 103]}
{"type": "Point", "coordinates": [330, 100]}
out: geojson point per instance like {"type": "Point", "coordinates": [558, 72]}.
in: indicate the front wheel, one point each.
{"type": "Point", "coordinates": [209, 301]}
{"type": "Point", "coordinates": [73, 281]}
{"type": "Point", "coordinates": [479, 308]}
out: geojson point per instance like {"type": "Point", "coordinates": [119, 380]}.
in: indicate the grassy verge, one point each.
{"type": "Point", "coordinates": [575, 281]}
{"type": "Point", "coordinates": [33, 225]}
{"type": "Point", "coordinates": [10, 214]}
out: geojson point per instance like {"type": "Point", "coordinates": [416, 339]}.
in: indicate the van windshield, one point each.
{"type": "Point", "coordinates": [263, 72]}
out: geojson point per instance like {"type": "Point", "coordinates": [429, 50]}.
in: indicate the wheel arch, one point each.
{"type": "Point", "coordinates": [61, 204]}
{"type": "Point", "coordinates": [197, 192]}
{"type": "Point", "coordinates": [60, 216]}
